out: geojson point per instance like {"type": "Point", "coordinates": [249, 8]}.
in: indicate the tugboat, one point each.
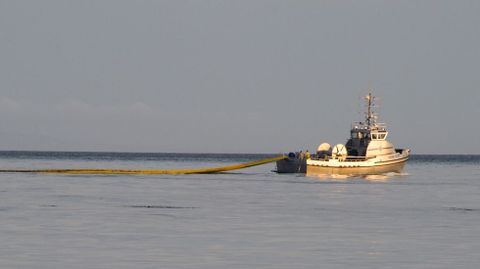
{"type": "Point", "coordinates": [366, 152]}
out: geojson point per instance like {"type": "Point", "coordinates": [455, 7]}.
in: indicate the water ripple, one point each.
{"type": "Point", "coordinates": [464, 209]}
{"type": "Point", "coordinates": [161, 206]}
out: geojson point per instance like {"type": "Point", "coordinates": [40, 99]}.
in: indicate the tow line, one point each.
{"type": "Point", "coordinates": [146, 172]}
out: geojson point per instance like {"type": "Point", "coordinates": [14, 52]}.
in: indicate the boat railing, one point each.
{"type": "Point", "coordinates": [348, 159]}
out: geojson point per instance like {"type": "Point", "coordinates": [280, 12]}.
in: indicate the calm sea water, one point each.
{"type": "Point", "coordinates": [426, 217]}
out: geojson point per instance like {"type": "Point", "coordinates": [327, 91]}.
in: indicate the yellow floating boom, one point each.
{"type": "Point", "coordinates": [146, 172]}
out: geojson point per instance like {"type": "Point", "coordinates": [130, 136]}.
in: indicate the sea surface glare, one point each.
{"type": "Point", "coordinates": [427, 217]}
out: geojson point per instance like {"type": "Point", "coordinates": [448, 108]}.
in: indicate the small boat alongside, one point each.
{"type": "Point", "coordinates": [295, 162]}
{"type": "Point", "coordinates": [366, 152]}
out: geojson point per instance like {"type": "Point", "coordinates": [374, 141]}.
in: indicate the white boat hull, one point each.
{"type": "Point", "coordinates": [379, 165]}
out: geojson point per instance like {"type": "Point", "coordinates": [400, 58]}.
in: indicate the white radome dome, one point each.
{"type": "Point", "coordinates": [324, 147]}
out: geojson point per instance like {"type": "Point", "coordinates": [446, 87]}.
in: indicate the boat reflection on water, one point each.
{"type": "Point", "coordinates": [371, 177]}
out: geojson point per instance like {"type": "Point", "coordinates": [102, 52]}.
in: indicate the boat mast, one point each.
{"type": "Point", "coordinates": [370, 117]}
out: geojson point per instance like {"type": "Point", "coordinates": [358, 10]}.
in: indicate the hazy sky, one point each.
{"type": "Point", "coordinates": [236, 76]}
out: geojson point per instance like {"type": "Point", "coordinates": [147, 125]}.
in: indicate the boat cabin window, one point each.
{"type": "Point", "coordinates": [358, 135]}
{"type": "Point", "coordinates": [378, 136]}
